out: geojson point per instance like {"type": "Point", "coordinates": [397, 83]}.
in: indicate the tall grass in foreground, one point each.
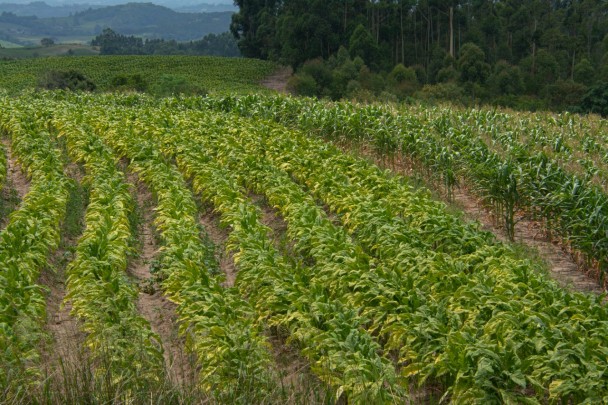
{"type": "Point", "coordinates": [72, 379]}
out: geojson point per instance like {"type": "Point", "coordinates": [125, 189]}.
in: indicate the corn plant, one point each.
{"type": "Point", "coordinates": [393, 273]}
{"type": "Point", "coordinates": [485, 149]}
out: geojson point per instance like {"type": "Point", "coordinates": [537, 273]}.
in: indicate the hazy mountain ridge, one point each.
{"type": "Point", "coordinates": [140, 19]}
{"type": "Point", "coordinates": [56, 6]}
{"type": "Point", "coordinates": [43, 10]}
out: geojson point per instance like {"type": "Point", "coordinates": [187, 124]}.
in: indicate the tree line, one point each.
{"type": "Point", "coordinates": [551, 52]}
{"type": "Point", "coordinates": [113, 43]}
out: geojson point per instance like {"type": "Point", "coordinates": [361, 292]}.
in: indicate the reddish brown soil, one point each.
{"type": "Point", "coordinates": [294, 370]}
{"type": "Point", "coordinates": [16, 184]}
{"type": "Point", "coordinates": [295, 375]}
{"type": "Point", "coordinates": [561, 265]}
{"type": "Point", "coordinates": [272, 218]}
{"type": "Point", "coordinates": [66, 352]}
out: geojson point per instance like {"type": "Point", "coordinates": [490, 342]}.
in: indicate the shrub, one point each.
{"type": "Point", "coordinates": [66, 80]}
{"type": "Point", "coordinates": [303, 84]}
{"type": "Point", "coordinates": [565, 93]}
{"type": "Point", "coordinates": [402, 81]}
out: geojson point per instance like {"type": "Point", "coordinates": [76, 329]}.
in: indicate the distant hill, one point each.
{"type": "Point", "coordinates": [43, 10]}
{"type": "Point", "coordinates": [61, 8]}
{"type": "Point", "coordinates": [206, 8]}
{"type": "Point", "coordinates": [141, 19]}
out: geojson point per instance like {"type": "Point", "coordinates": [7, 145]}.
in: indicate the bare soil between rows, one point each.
{"type": "Point", "coordinates": [151, 303]}
{"type": "Point", "coordinates": [293, 370]}
{"type": "Point", "coordinates": [15, 175]}
{"type": "Point", "coordinates": [561, 265]}
{"type": "Point", "coordinates": [210, 221]}
{"type": "Point", "coordinates": [66, 352]}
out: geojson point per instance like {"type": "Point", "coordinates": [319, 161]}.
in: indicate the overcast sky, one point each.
{"type": "Point", "coordinates": [172, 3]}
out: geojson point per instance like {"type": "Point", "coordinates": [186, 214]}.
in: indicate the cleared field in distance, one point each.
{"type": "Point", "coordinates": [7, 44]}
{"type": "Point", "coordinates": [21, 52]}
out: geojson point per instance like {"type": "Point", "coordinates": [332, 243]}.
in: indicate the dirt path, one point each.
{"type": "Point", "coordinates": [151, 303]}
{"type": "Point", "coordinates": [278, 80]}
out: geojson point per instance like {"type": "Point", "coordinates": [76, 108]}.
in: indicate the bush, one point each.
{"type": "Point", "coordinates": [506, 79]}
{"type": "Point", "coordinates": [66, 80]}
{"type": "Point", "coordinates": [320, 71]}
{"type": "Point", "coordinates": [402, 81]}
{"type": "Point", "coordinates": [303, 84]}
{"type": "Point", "coordinates": [46, 42]}
{"type": "Point", "coordinates": [447, 74]}
{"type": "Point", "coordinates": [521, 102]}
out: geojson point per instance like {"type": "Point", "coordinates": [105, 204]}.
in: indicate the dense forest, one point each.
{"type": "Point", "coordinates": [540, 52]}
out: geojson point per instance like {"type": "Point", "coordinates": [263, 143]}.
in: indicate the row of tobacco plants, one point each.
{"type": "Point", "coordinates": [25, 244]}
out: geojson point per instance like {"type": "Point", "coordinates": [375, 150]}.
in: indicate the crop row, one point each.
{"type": "Point", "coordinates": [102, 295]}
{"type": "Point", "coordinates": [451, 147]}
{"type": "Point", "coordinates": [220, 326]}
{"type": "Point", "coordinates": [474, 309]}
{"type": "Point", "coordinates": [288, 296]}
{"type": "Point", "coordinates": [25, 244]}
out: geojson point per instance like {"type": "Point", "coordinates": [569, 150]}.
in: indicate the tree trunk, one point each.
{"type": "Point", "coordinates": [452, 32]}
{"type": "Point", "coordinates": [534, 47]}
{"type": "Point", "coordinates": [572, 70]}
{"type": "Point", "coordinates": [345, 14]}
{"type": "Point", "coordinates": [402, 37]}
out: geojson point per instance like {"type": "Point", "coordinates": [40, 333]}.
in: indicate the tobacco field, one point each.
{"type": "Point", "coordinates": [381, 292]}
